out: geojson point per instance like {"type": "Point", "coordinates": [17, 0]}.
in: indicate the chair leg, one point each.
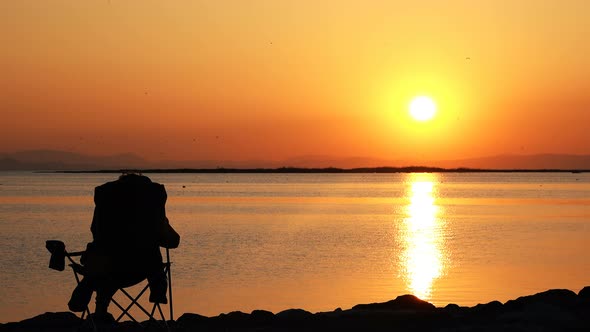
{"type": "Point", "coordinates": [169, 272]}
{"type": "Point", "coordinates": [87, 311]}
{"type": "Point", "coordinates": [134, 301]}
{"type": "Point", "coordinates": [123, 312]}
{"type": "Point", "coordinates": [153, 311]}
{"type": "Point", "coordinates": [89, 320]}
{"type": "Point", "coordinates": [152, 319]}
{"type": "Point", "coordinates": [161, 313]}
{"type": "Point", "coordinates": [162, 316]}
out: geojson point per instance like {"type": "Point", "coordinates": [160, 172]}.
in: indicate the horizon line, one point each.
{"type": "Point", "coordinates": [288, 169]}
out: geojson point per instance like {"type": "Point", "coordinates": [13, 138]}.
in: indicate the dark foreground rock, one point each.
{"type": "Point", "coordinates": [552, 310]}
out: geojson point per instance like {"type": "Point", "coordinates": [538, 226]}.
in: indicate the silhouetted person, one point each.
{"type": "Point", "coordinates": [128, 228]}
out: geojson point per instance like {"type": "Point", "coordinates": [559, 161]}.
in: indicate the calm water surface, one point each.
{"type": "Point", "coordinates": [317, 241]}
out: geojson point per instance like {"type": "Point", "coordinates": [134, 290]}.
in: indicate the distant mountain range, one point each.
{"type": "Point", "coordinates": [62, 160]}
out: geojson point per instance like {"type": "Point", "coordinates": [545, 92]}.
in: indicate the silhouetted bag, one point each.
{"type": "Point", "coordinates": [169, 238]}
{"type": "Point", "coordinates": [58, 254]}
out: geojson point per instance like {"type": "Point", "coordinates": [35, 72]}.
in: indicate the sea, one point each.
{"type": "Point", "coordinates": [316, 241]}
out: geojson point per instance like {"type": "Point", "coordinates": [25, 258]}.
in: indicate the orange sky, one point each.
{"type": "Point", "coordinates": [270, 80]}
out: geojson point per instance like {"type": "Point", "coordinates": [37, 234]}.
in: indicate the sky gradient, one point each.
{"type": "Point", "coordinates": [271, 80]}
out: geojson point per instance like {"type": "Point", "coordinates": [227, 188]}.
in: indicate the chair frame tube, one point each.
{"type": "Point", "coordinates": [134, 301]}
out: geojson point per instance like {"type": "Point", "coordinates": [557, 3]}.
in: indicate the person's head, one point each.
{"type": "Point", "coordinates": [133, 177]}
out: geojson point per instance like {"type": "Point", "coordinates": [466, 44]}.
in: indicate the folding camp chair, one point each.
{"type": "Point", "coordinates": [57, 262]}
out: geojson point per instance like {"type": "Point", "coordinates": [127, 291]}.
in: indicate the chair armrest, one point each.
{"type": "Point", "coordinates": [78, 268]}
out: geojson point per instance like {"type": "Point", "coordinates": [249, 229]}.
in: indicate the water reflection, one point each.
{"type": "Point", "coordinates": [422, 261]}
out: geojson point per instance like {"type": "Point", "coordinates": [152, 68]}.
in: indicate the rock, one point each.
{"type": "Point", "coordinates": [294, 314]}
{"type": "Point", "coordinates": [237, 315]}
{"type": "Point", "coordinates": [455, 310]}
{"type": "Point", "coordinates": [584, 294]}
{"type": "Point", "coordinates": [542, 315]}
{"type": "Point", "coordinates": [234, 318]}
{"type": "Point", "coordinates": [52, 320]}
{"type": "Point", "coordinates": [261, 317]}
{"type": "Point", "coordinates": [452, 307]}
{"type": "Point", "coordinates": [490, 308]}
{"type": "Point", "coordinates": [191, 320]}
{"type": "Point", "coordinates": [561, 298]}
{"type": "Point", "coordinates": [404, 302]}
{"type": "Point", "coordinates": [553, 310]}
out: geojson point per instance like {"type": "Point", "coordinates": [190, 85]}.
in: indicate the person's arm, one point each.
{"type": "Point", "coordinates": [169, 238]}
{"type": "Point", "coordinates": [94, 225]}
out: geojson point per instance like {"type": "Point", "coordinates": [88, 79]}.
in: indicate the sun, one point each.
{"type": "Point", "coordinates": [422, 108]}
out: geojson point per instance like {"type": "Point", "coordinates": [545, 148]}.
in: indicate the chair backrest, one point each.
{"type": "Point", "coordinates": [129, 212]}
{"type": "Point", "coordinates": [127, 224]}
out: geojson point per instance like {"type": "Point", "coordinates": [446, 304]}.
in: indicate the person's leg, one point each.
{"type": "Point", "coordinates": [158, 286]}
{"type": "Point", "coordinates": [103, 299]}
{"type": "Point", "coordinates": [81, 295]}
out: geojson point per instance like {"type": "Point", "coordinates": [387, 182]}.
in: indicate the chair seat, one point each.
{"type": "Point", "coordinates": [117, 280]}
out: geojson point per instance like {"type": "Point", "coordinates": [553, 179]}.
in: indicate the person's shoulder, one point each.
{"type": "Point", "coordinates": [105, 188]}
{"type": "Point", "coordinates": [159, 189]}
{"type": "Point", "coordinates": [106, 185]}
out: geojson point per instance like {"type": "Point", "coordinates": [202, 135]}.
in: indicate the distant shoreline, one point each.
{"type": "Point", "coordinates": [328, 170]}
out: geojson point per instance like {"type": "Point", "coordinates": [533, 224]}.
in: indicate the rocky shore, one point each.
{"type": "Point", "coordinates": [552, 310]}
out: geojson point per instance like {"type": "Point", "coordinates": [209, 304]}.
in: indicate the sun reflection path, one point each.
{"type": "Point", "coordinates": [423, 258]}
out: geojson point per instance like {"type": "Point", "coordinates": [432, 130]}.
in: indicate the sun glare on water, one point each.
{"type": "Point", "coordinates": [422, 108]}
{"type": "Point", "coordinates": [423, 260]}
